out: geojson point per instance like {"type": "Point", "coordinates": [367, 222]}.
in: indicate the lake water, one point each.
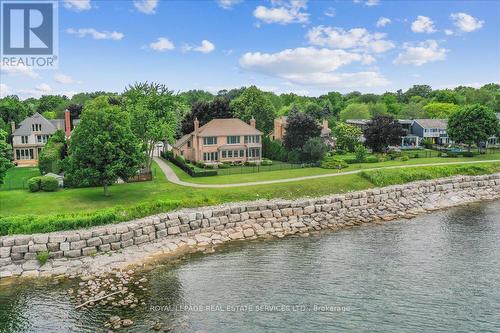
{"type": "Point", "coordinates": [434, 273]}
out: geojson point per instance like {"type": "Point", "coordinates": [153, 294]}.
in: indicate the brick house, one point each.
{"type": "Point", "coordinates": [221, 140]}
{"type": "Point", "coordinates": [29, 138]}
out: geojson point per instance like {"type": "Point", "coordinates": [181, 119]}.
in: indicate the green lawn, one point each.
{"type": "Point", "coordinates": [293, 173]}
{"type": "Point", "coordinates": [17, 178]}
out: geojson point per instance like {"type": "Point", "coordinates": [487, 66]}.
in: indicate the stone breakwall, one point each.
{"type": "Point", "coordinates": [77, 252]}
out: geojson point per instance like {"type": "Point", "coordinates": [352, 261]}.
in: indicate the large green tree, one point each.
{"type": "Point", "coordinates": [155, 113]}
{"type": "Point", "coordinates": [103, 146]}
{"type": "Point", "coordinates": [347, 136]}
{"type": "Point", "coordinates": [472, 124]}
{"type": "Point", "coordinates": [5, 155]}
{"type": "Point", "coordinates": [12, 109]}
{"type": "Point", "coordinates": [218, 108]}
{"type": "Point", "coordinates": [382, 132]}
{"type": "Point", "coordinates": [254, 103]}
{"type": "Point", "coordinates": [440, 110]}
{"type": "Point", "coordinates": [355, 111]}
{"type": "Point", "coordinates": [300, 128]}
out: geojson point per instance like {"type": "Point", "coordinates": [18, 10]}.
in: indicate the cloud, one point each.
{"type": "Point", "coordinates": [283, 12]}
{"type": "Point", "coordinates": [369, 3]}
{"type": "Point", "coordinates": [205, 47]}
{"type": "Point", "coordinates": [4, 90]}
{"type": "Point", "coordinates": [423, 24]}
{"type": "Point", "coordinates": [146, 6]}
{"type": "Point", "coordinates": [357, 39]}
{"type": "Point", "coordinates": [77, 5]}
{"type": "Point", "coordinates": [228, 4]}
{"type": "Point", "coordinates": [466, 22]}
{"type": "Point", "coordinates": [421, 53]}
{"type": "Point", "coordinates": [64, 79]}
{"type": "Point", "coordinates": [112, 35]}
{"type": "Point", "coordinates": [312, 66]}
{"type": "Point", "coordinates": [162, 44]}
{"type": "Point", "coordinates": [383, 21]}
{"type": "Point", "coordinates": [330, 12]}
{"type": "Point", "coordinates": [19, 70]}
{"type": "Point", "coordinates": [448, 32]}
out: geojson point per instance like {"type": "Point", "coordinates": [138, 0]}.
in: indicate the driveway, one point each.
{"type": "Point", "coordinates": [172, 177]}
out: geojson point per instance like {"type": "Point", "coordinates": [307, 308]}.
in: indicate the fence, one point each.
{"type": "Point", "coordinates": [234, 170]}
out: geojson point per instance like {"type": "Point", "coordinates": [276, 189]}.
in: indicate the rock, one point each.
{"type": "Point", "coordinates": [127, 322]}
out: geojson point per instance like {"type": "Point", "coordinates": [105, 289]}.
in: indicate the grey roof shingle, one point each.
{"type": "Point", "coordinates": [432, 123]}
{"type": "Point", "coordinates": [25, 127]}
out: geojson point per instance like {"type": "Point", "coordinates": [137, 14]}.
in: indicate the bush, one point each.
{"type": "Point", "coordinates": [266, 162]}
{"type": "Point", "coordinates": [188, 168]}
{"type": "Point", "coordinates": [331, 162]}
{"type": "Point", "coordinates": [314, 150]}
{"type": "Point", "coordinates": [42, 257]}
{"type": "Point", "coordinates": [405, 158]}
{"type": "Point", "coordinates": [468, 154]}
{"type": "Point", "coordinates": [427, 143]}
{"type": "Point", "coordinates": [293, 157]}
{"type": "Point", "coordinates": [49, 184]}
{"type": "Point", "coordinates": [361, 153]}
{"type": "Point", "coordinates": [224, 165]}
{"type": "Point", "coordinates": [371, 159]}
{"type": "Point", "coordinates": [34, 184]}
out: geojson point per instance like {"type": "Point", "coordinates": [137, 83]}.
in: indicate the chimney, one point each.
{"type": "Point", "coordinates": [325, 124]}
{"type": "Point", "coordinates": [196, 125]}
{"type": "Point", "coordinates": [12, 127]}
{"type": "Point", "coordinates": [252, 122]}
{"type": "Point", "coordinates": [67, 123]}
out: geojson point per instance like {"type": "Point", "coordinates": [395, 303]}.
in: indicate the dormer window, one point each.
{"type": "Point", "coordinates": [36, 127]}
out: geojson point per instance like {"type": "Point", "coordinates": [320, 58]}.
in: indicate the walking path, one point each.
{"type": "Point", "coordinates": [172, 177]}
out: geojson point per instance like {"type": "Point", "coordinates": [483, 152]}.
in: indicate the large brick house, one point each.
{"type": "Point", "coordinates": [221, 140]}
{"type": "Point", "coordinates": [29, 138]}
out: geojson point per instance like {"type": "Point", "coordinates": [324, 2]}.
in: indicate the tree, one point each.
{"type": "Point", "coordinates": [347, 136]}
{"type": "Point", "coordinates": [361, 153]}
{"type": "Point", "coordinates": [299, 129]}
{"type": "Point", "coordinates": [377, 109]}
{"type": "Point", "coordinates": [472, 124]}
{"type": "Point", "coordinates": [440, 110]}
{"type": "Point", "coordinates": [383, 131]}
{"type": "Point", "coordinates": [314, 150]}
{"type": "Point", "coordinates": [12, 109]}
{"type": "Point", "coordinates": [219, 108]}
{"type": "Point", "coordinates": [103, 146]}
{"type": "Point", "coordinates": [5, 156]}
{"type": "Point", "coordinates": [155, 113]}
{"type": "Point", "coordinates": [421, 90]}
{"type": "Point", "coordinates": [52, 156]}
{"type": "Point", "coordinates": [355, 111]}
{"type": "Point", "coordinates": [254, 103]}
{"type": "Point", "coordinates": [52, 103]}
{"type": "Point", "coordinates": [194, 96]}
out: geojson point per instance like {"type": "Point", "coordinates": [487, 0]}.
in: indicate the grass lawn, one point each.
{"type": "Point", "coordinates": [17, 178]}
{"type": "Point", "coordinates": [293, 173]}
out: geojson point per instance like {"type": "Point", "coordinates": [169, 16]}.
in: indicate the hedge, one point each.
{"type": "Point", "coordinates": [190, 170]}
{"type": "Point", "coordinates": [49, 184]}
{"type": "Point", "coordinates": [34, 184]}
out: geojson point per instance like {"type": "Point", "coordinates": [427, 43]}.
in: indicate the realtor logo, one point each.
{"type": "Point", "coordinates": [29, 33]}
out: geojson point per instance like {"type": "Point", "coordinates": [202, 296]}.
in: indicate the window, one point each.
{"type": "Point", "coordinates": [42, 138]}
{"type": "Point", "coordinates": [252, 138]}
{"type": "Point", "coordinates": [213, 156]}
{"type": "Point", "coordinates": [224, 154]}
{"type": "Point", "coordinates": [189, 144]}
{"type": "Point", "coordinates": [231, 140]}
{"type": "Point", "coordinates": [24, 154]}
{"type": "Point", "coordinates": [229, 153]}
{"type": "Point", "coordinates": [253, 152]}
{"type": "Point", "coordinates": [210, 140]}
{"type": "Point", "coordinates": [242, 153]}
{"type": "Point", "coordinates": [36, 127]}
{"type": "Point", "coordinates": [24, 139]}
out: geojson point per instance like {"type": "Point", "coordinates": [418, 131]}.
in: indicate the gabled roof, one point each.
{"type": "Point", "coordinates": [182, 140]}
{"type": "Point", "coordinates": [432, 123]}
{"type": "Point", "coordinates": [225, 127]}
{"type": "Point", "coordinates": [25, 127]}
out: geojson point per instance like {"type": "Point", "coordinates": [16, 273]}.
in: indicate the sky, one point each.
{"type": "Point", "coordinates": [305, 47]}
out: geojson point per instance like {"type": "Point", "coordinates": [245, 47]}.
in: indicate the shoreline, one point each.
{"type": "Point", "coordinates": [172, 235]}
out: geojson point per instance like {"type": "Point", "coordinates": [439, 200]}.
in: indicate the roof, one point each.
{"type": "Point", "coordinates": [432, 123]}
{"type": "Point", "coordinates": [182, 140]}
{"type": "Point", "coordinates": [225, 127]}
{"type": "Point", "coordinates": [25, 127]}
{"type": "Point", "coordinates": [357, 121]}
{"type": "Point", "coordinates": [58, 123]}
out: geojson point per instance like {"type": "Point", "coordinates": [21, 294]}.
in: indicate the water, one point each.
{"type": "Point", "coordinates": [438, 272]}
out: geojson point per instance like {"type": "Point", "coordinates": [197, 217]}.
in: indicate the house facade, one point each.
{"type": "Point", "coordinates": [32, 134]}
{"type": "Point", "coordinates": [432, 129]}
{"type": "Point", "coordinates": [221, 140]}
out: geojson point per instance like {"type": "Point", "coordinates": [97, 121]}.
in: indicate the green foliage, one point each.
{"type": "Point", "coordinates": [333, 162]}
{"type": "Point", "coordinates": [427, 143]}
{"type": "Point", "coordinates": [300, 128]}
{"type": "Point", "coordinates": [49, 184]}
{"type": "Point", "coordinates": [381, 132]}
{"type": "Point", "coordinates": [34, 184]}
{"type": "Point", "coordinates": [52, 155]}
{"type": "Point", "coordinates": [273, 150]}
{"type": "Point", "coordinates": [440, 110]}
{"type": "Point", "coordinates": [53, 103]}
{"type": "Point", "coordinates": [218, 108]}
{"type": "Point", "coordinates": [405, 158]}
{"type": "Point", "coordinates": [12, 109]}
{"type": "Point", "coordinates": [5, 156]}
{"type": "Point", "coordinates": [361, 153]}
{"type": "Point", "coordinates": [195, 96]}
{"type": "Point", "coordinates": [472, 124]}
{"type": "Point", "coordinates": [347, 136]}
{"type": "Point", "coordinates": [314, 150]}
{"type": "Point", "coordinates": [355, 111]}
{"type": "Point", "coordinates": [255, 103]}
{"type": "Point", "coordinates": [388, 177]}
{"type": "Point", "coordinates": [103, 146]}
{"type": "Point", "coordinates": [193, 171]}
{"type": "Point", "coordinates": [42, 257]}
{"type": "Point", "coordinates": [49, 115]}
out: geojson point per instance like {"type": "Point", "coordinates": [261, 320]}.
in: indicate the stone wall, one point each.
{"type": "Point", "coordinates": [218, 224]}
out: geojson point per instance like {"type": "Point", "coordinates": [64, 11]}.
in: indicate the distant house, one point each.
{"type": "Point", "coordinates": [221, 140]}
{"type": "Point", "coordinates": [433, 129]}
{"type": "Point", "coordinates": [29, 138]}
{"type": "Point", "coordinates": [494, 140]}
{"type": "Point", "coordinates": [279, 131]}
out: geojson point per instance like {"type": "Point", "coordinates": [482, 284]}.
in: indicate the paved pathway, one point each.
{"type": "Point", "coordinates": [172, 177]}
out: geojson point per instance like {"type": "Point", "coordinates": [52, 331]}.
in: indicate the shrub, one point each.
{"type": "Point", "coordinates": [468, 154]}
{"type": "Point", "coordinates": [340, 151]}
{"type": "Point", "coordinates": [333, 163]}
{"type": "Point", "coordinates": [371, 159]}
{"type": "Point", "coordinates": [427, 143]}
{"type": "Point", "coordinates": [224, 165]}
{"type": "Point", "coordinates": [416, 155]}
{"type": "Point", "coordinates": [266, 162]}
{"type": "Point", "coordinates": [361, 153]}
{"type": "Point", "coordinates": [49, 184]}
{"type": "Point", "coordinates": [42, 257]}
{"type": "Point", "coordinates": [314, 150]}
{"type": "Point", "coordinates": [34, 184]}
{"type": "Point", "coordinates": [405, 158]}
{"type": "Point", "coordinates": [293, 157]}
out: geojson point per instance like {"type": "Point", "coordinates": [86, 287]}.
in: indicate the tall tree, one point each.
{"type": "Point", "coordinates": [155, 113]}
{"type": "Point", "coordinates": [472, 124]}
{"type": "Point", "coordinates": [103, 146]}
{"type": "Point", "coordinates": [5, 155]}
{"type": "Point", "coordinates": [348, 136]}
{"type": "Point", "coordinates": [53, 103]}
{"type": "Point", "coordinates": [254, 103]}
{"type": "Point", "coordinates": [12, 109]}
{"type": "Point", "coordinates": [440, 110]}
{"type": "Point", "coordinates": [195, 96]}
{"type": "Point", "coordinates": [300, 128]}
{"type": "Point", "coordinates": [219, 108]}
{"type": "Point", "coordinates": [355, 111]}
{"type": "Point", "coordinates": [383, 131]}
